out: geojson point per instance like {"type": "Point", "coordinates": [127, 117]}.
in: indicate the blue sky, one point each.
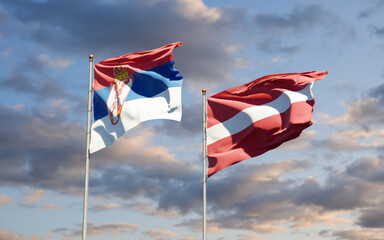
{"type": "Point", "coordinates": [327, 184]}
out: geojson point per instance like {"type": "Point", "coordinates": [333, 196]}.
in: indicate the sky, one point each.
{"type": "Point", "coordinates": [327, 184]}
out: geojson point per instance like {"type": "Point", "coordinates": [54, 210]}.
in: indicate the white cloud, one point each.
{"type": "Point", "coordinates": [302, 142]}
{"type": "Point", "coordinates": [354, 139]}
{"type": "Point", "coordinates": [32, 196]}
{"type": "Point", "coordinates": [58, 63]}
{"type": "Point", "coordinates": [113, 228]}
{"type": "Point", "coordinates": [233, 47]}
{"type": "Point", "coordinates": [146, 207]}
{"type": "Point", "coordinates": [6, 235]}
{"type": "Point", "coordinates": [160, 233]}
{"type": "Point", "coordinates": [365, 111]}
{"type": "Point", "coordinates": [278, 59]}
{"type": "Point", "coordinates": [50, 206]}
{"type": "Point", "coordinates": [196, 9]}
{"type": "Point", "coordinates": [359, 234]}
{"type": "Point", "coordinates": [5, 200]}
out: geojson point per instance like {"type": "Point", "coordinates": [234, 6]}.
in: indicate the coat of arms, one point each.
{"type": "Point", "coordinates": [119, 92]}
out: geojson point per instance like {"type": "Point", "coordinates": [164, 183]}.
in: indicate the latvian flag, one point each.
{"type": "Point", "coordinates": [249, 120]}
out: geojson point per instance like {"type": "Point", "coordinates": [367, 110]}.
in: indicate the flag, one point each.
{"type": "Point", "coordinates": [249, 120]}
{"type": "Point", "coordinates": [131, 89]}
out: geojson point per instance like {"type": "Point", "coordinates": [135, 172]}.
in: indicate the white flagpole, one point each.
{"type": "Point", "coordinates": [204, 91]}
{"type": "Point", "coordinates": [87, 151]}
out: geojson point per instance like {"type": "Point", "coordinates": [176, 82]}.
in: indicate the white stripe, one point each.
{"type": "Point", "coordinates": [248, 116]}
{"type": "Point", "coordinates": [103, 133]}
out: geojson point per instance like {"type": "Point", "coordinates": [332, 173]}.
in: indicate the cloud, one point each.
{"type": "Point", "coordinates": [6, 235]}
{"type": "Point", "coordinates": [340, 193]}
{"type": "Point", "coordinates": [352, 139]}
{"type": "Point", "coordinates": [195, 225]}
{"type": "Point", "coordinates": [194, 9]}
{"type": "Point", "coordinates": [374, 8]}
{"type": "Point", "coordinates": [191, 123]}
{"type": "Point", "coordinates": [344, 86]}
{"type": "Point", "coordinates": [50, 206]}
{"type": "Point", "coordinates": [273, 28]}
{"type": "Point", "coordinates": [43, 87]}
{"type": "Point", "coordinates": [365, 111]}
{"type": "Point", "coordinates": [263, 200]}
{"type": "Point", "coordinates": [58, 64]}
{"type": "Point", "coordinates": [47, 157]}
{"type": "Point", "coordinates": [97, 230]}
{"type": "Point", "coordinates": [203, 30]}
{"type": "Point", "coordinates": [302, 142]}
{"type": "Point", "coordinates": [370, 169]}
{"type": "Point", "coordinates": [378, 92]}
{"type": "Point", "coordinates": [156, 234]}
{"type": "Point", "coordinates": [39, 150]}
{"type": "Point", "coordinates": [300, 19]}
{"type": "Point", "coordinates": [372, 218]}
{"type": "Point", "coordinates": [137, 152]}
{"type": "Point", "coordinates": [248, 237]}
{"type": "Point", "coordinates": [147, 208]}
{"type": "Point", "coordinates": [5, 200]}
{"type": "Point", "coordinates": [104, 206]}
{"type": "Point", "coordinates": [358, 234]}
{"type": "Point", "coordinates": [32, 196]}
{"type": "Point", "coordinates": [378, 31]}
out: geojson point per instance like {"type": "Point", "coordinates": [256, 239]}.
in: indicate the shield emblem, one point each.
{"type": "Point", "coordinates": [119, 92]}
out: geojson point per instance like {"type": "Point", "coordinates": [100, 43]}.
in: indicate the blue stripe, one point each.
{"type": "Point", "coordinates": [99, 105]}
{"type": "Point", "coordinates": [145, 84]}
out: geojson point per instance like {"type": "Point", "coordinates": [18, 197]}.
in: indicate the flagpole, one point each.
{"type": "Point", "coordinates": [204, 91]}
{"type": "Point", "coordinates": [88, 155]}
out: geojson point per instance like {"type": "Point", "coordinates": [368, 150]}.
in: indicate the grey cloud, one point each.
{"type": "Point", "coordinates": [354, 188]}
{"type": "Point", "coordinates": [276, 200]}
{"type": "Point", "coordinates": [378, 92]}
{"type": "Point", "coordinates": [367, 169]}
{"type": "Point", "coordinates": [378, 32]}
{"type": "Point", "coordinates": [52, 148]}
{"type": "Point", "coordinates": [365, 113]}
{"type": "Point", "coordinates": [291, 49]}
{"type": "Point", "coordinates": [47, 151]}
{"type": "Point", "coordinates": [185, 197]}
{"type": "Point", "coordinates": [191, 123]}
{"type": "Point", "coordinates": [376, 6]}
{"type": "Point", "coordinates": [242, 185]}
{"type": "Point", "coordinates": [97, 230]}
{"type": "Point", "coordinates": [272, 28]}
{"type": "Point", "coordinates": [339, 192]}
{"type": "Point", "coordinates": [302, 18]}
{"type": "Point", "coordinates": [42, 87]}
{"type": "Point", "coordinates": [372, 218]}
{"type": "Point", "coordinates": [107, 30]}
{"type": "Point", "coordinates": [128, 183]}
{"type": "Point", "coordinates": [38, 150]}
{"type": "Point", "coordinates": [358, 234]}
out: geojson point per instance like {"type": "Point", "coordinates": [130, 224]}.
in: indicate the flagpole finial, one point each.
{"type": "Point", "coordinates": [204, 91]}
{"type": "Point", "coordinates": [91, 58]}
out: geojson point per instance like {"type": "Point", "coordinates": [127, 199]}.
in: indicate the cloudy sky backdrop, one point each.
{"type": "Point", "coordinates": [327, 184]}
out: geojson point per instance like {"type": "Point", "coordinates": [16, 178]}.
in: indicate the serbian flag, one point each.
{"type": "Point", "coordinates": [249, 120]}
{"type": "Point", "coordinates": [131, 89]}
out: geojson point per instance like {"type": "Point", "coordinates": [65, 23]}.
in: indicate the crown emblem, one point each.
{"type": "Point", "coordinates": [120, 73]}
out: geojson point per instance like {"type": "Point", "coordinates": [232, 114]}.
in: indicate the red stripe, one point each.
{"type": "Point", "coordinates": [260, 137]}
{"type": "Point", "coordinates": [138, 61]}
{"type": "Point", "coordinates": [226, 104]}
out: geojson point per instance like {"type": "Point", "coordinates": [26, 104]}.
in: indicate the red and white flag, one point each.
{"type": "Point", "coordinates": [249, 120]}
